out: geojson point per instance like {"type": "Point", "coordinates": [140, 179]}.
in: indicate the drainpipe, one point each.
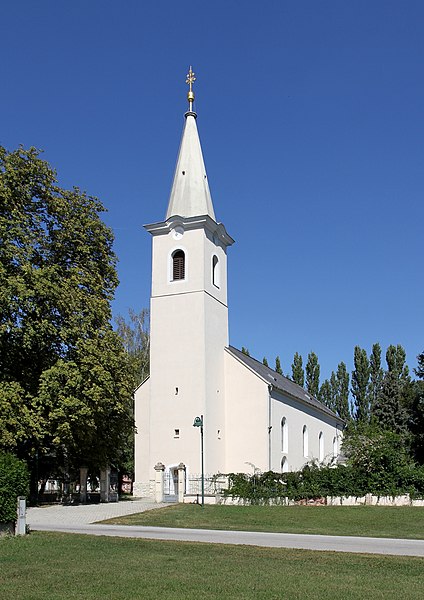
{"type": "Point", "coordinates": [269, 428]}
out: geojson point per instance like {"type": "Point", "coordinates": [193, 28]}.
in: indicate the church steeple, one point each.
{"type": "Point", "coordinates": [190, 194]}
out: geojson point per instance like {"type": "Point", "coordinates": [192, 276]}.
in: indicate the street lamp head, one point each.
{"type": "Point", "coordinates": [198, 422]}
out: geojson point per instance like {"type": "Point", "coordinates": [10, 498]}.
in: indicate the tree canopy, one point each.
{"type": "Point", "coordinates": [64, 385]}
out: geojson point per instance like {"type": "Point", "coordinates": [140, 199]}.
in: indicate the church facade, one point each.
{"type": "Point", "coordinates": [252, 416]}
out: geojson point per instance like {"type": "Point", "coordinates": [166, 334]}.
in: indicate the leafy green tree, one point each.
{"type": "Point", "coordinates": [390, 409]}
{"type": "Point", "coordinates": [265, 362]}
{"type": "Point", "coordinates": [63, 371]}
{"type": "Point", "coordinates": [298, 374]}
{"type": "Point", "coordinates": [245, 351]}
{"type": "Point", "coordinates": [312, 374]}
{"type": "Point", "coordinates": [360, 378]}
{"type": "Point", "coordinates": [376, 378]}
{"type": "Point", "coordinates": [379, 457]}
{"type": "Point", "coordinates": [278, 368]}
{"type": "Point", "coordinates": [342, 392]}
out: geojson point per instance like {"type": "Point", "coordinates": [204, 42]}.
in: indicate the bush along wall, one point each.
{"type": "Point", "coordinates": [314, 482]}
{"type": "Point", "coordinates": [14, 482]}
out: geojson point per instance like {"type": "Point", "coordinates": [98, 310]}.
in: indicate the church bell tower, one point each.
{"type": "Point", "coordinates": [188, 323]}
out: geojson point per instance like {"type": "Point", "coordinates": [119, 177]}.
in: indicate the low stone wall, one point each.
{"type": "Point", "coordinates": [368, 500]}
{"type": "Point", "coordinates": [371, 500]}
{"type": "Point", "coordinates": [197, 499]}
{"type": "Point", "coordinates": [144, 490]}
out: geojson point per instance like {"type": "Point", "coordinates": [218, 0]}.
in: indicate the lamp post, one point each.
{"type": "Point", "coordinates": [198, 422]}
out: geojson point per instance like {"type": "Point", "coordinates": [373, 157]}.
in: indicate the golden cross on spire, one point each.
{"type": "Point", "coordinates": [190, 95]}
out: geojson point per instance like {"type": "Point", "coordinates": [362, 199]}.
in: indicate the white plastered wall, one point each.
{"type": "Point", "coordinates": [247, 410]}
{"type": "Point", "coordinates": [189, 331]}
{"type": "Point", "coordinates": [297, 415]}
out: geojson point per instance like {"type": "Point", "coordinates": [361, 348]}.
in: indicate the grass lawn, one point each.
{"type": "Point", "coordinates": [55, 566]}
{"type": "Point", "coordinates": [369, 521]}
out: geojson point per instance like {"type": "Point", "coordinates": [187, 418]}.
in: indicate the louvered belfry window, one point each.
{"type": "Point", "coordinates": [178, 265]}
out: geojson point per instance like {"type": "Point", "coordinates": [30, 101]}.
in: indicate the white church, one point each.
{"type": "Point", "coordinates": [252, 416]}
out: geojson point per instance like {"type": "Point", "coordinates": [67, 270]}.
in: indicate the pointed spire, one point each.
{"type": "Point", "coordinates": [190, 195]}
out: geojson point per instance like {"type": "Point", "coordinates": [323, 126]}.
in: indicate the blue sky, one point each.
{"type": "Point", "coordinates": [311, 121]}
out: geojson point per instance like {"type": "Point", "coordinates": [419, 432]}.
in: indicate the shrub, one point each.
{"type": "Point", "coordinates": [14, 482]}
{"type": "Point", "coordinates": [314, 482]}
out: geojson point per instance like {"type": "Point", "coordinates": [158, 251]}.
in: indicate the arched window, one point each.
{"type": "Point", "coordinates": [284, 438]}
{"type": "Point", "coordinates": [335, 446]}
{"type": "Point", "coordinates": [321, 446]}
{"type": "Point", "coordinates": [305, 441]}
{"type": "Point", "coordinates": [284, 465]}
{"type": "Point", "coordinates": [178, 265]}
{"type": "Point", "coordinates": [215, 271]}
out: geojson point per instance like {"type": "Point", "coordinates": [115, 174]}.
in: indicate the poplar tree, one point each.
{"type": "Point", "coordinates": [419, 371]}
{"type": "Point", "coordinates": [334, 390]}
{"type": "Point", "coordinates": [265, 362]}
{"type": "Point", "coordinates": [360, 378]}
{"type": "Point", "coordinates": [417, 412]}
{"type": "Point", "coordinates": [298, 374]}
{"type": "Point", "coordinates": [278, 368]}
{"type": "Point", "coordinates": [342, 393]}
{"type": "Point", "coordinates": [376, 378]}
{"type": "Point", "coordinates": [390, 408]}
{"type": "Point", "coordinates": [245, 351]}
{"type": "Point", "coordinates": [312, 374]}
{"type": "Point", "coordinates": [326, 395]}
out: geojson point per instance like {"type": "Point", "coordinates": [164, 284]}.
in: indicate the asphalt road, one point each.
{"type": "Point", "coordinates": [271, 540]}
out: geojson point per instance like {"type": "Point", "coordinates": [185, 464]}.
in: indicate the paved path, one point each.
{"type": "Point", "coordinates": [83, 514]}
{"type": "Point", "coordinates": [80, 519]}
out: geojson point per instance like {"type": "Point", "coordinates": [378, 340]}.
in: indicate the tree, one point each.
{"type": "Point", "coordinates": [312, 374]}
{"type": "Point", "coordinates": [326, 394]}
{"type": "Point", "coordinates": [416, 419]}
{"type": "Point", "coordinates": [390, 409]}
{"type": "Point", "coordinates": [379, 457]}
{"type": "Point", "coordinates": [63, 371]}
{"type": "Point", "coordinates": [360, 377]}
{"type": "Point", "coordinates": [376, 378]}
{"type": "Point", "coordinates": [245, 351]}
{"type": "Point", "coordinates": [265, 362]}
{"type": "Point", "coordinates": [298, 374]}
{"type": "Point", "coordinates": [419, 371]}
{"type": "Point", "coordinates": [416, 422]}
{"type": "Point", "coordinates": [278, 368]}
{"type": "Point", "coordinates": [135, 337]}
{"type": "Point", "coordinates": [342, 392]}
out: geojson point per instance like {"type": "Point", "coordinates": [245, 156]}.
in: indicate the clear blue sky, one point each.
{"type": "Point", "coordinates": [311, 121]}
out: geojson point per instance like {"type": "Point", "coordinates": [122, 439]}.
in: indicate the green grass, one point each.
{"type": "Point", "coordinates": [55, 566]}
{"type": "Point", "coordinates": [368, 521]}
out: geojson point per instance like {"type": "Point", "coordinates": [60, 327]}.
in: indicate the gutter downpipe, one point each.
{"type": "Point", "coordinates": [269, 427]}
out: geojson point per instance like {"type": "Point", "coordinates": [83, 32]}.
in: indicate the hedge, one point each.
{"type": "Point", "coordinates": [316, 482]}
{"type": "Point", "coordinates": [14, 482]}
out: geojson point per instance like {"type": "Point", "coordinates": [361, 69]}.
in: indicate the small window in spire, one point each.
{"type": "Point", "coordinates": [215, 271]}
{"type": "Point", "coordinates": [178, 265]}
